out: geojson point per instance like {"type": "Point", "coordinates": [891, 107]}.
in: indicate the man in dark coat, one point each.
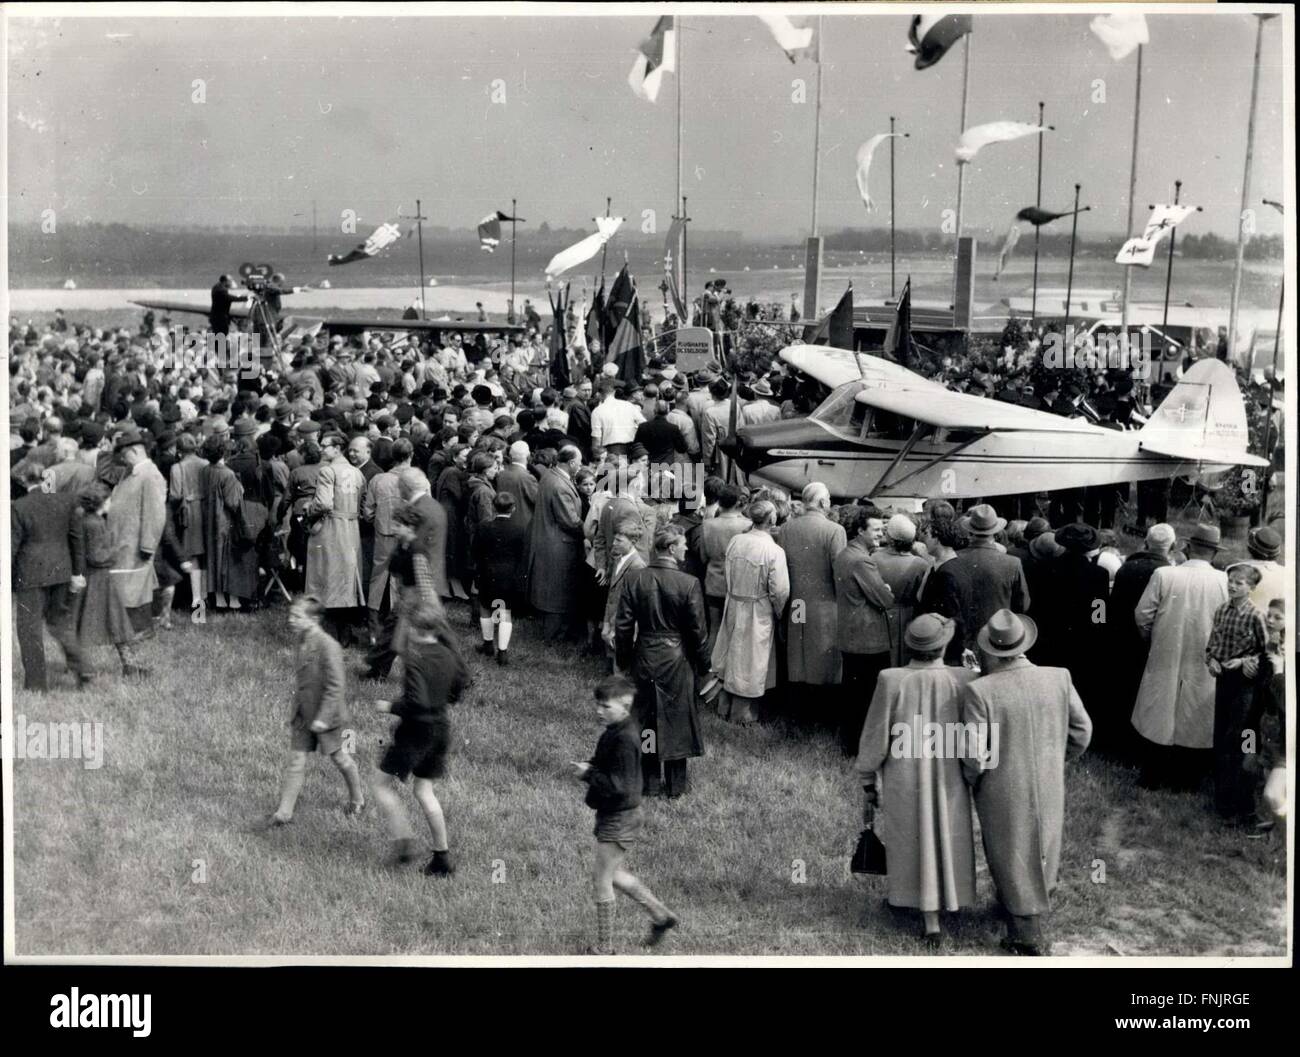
{"type": "Point", "coordinates": [556, 547]}
{"type": "Point", "coordinates": [45, 542]}
{"type": "Point", "coordinates": [500, 551]}
{"type": "Point", "coordinates": [982, 578]}
{"type": "Point", "coordinates": [222, 298]}
{"type": "Point", "coordinates": [1128, 648]}
{"type": "Point", "coordinates": [661, 635]}
{"type": "Point", "coordinates": [661, 438]}
{"type": "Point", "coordinates": [1077, 614]}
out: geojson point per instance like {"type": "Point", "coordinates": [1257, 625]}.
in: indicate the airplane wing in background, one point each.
{"type": "Point", "coordinates": [349, 326]}
{"type": "Point", "coordinates": [937, 406]}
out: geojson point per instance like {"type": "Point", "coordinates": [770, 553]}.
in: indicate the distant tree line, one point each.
{"type": "Point", "coordinates": [1052, 242]}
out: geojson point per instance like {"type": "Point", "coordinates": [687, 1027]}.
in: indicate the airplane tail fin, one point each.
{"type": "Point", "coordinates": [1202, 420]}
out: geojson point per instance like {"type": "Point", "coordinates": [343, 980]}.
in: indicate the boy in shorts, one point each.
{"type": "Point", "coordinates": [434, 675]}
{"type": "Point", "coordinates": [613, 778]}
{"type": "Point", "coordinates": [320, 710]}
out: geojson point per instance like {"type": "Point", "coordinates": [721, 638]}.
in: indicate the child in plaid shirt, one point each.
{"type": "Point", "coordinates": [1238, 643]}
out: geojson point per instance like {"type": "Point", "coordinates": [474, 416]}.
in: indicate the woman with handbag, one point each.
{"type": "Point", "coordinates": [910, 764]}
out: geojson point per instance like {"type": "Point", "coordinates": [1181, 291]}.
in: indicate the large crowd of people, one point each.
{"type": "Point", "coordinates": [379, 482]}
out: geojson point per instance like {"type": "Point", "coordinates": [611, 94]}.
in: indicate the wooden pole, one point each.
{"type": "Point", "coordinates": [1235, 304]}
{"type": "Point", "coordinates": [817, 128]}
{"type": "Point", "coordinates": [603, 247]}
{"type": "Point", "coordinates": [961, 168]}
{"type": "Point", "coordinates": [419, 231]}
{"type": "Point", "coordinates": [1132, 191]}
{"type": "Point", "coordinates": [1169, 269]}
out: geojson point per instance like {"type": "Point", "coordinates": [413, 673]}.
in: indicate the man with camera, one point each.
{"type": "Point", "coordinates": [222, 299]}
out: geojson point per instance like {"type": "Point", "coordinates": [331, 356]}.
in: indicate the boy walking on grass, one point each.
{"type": "Point", "coordinates": [320, 710]}
{"type": "Point", "coordinates": [1237, 646]}
{"type": "Point", "coordinates": [433, 676]}
{"type": "Point", "coordinates": [613, 778]}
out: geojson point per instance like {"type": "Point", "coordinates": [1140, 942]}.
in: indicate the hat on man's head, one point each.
{"type": "Point", "coordinates": [637, 451]}
{"type": "Point", "coordinates": [1036, 526]}
{"type": "Point", "coordinates": [217, 425]}
{"type": "Point", "coordinates": [1007, 634]}
{"type": "Point", "coordinates": [900, 527]}
{"type": "Point", "coordinates": [610, 370]}
{"type": "Point", "coordinates": [91, 434]}
{"type": "Point", "coordinates": [1264, 543]}
{"type": "Point", "coordinates": [1044, 546]}
{"type": "Point", "coordinates": [127, 438]}
{"type": "Point", "coordinates": [762, 388]}
{"type": "Point", "coordinates": [929, 632]}
{"type": "Point", "coordinates": [984, 520]}
{"type": "Point", "coordinates": [1206, 536]}
{"type": "Point", "coordinates": [308, 426]}
{"type": "Point", "coordinates": [1077, 538]}
{"type": "Point", "coordinates": [244, 427]}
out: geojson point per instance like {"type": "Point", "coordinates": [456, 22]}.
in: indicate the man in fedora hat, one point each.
{"type": "Point", "coordinates": [982, 578]}
{"type": "Point", "coordinates": [1174, 712]}
{"type": "Point", "coordinates": [1039, 722]}
{"type": "Point", "coordinates": [136, 517]}
{"type": "Point", "coordinates": [926, 809]}
{"type": "Point", "coordinates": [1265, 546]}
{"type": "Point", "coordinates": [762, 407]}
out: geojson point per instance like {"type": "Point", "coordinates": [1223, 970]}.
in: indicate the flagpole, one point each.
{"type": "Point", "coordinates": [1132, 189]}
{"type": "Point", "coordinates": [1245, 195]}
{"type": "Point", "coordinates": [965, 93]}
{"type": "Point", "coordinates": [813, 251]}
{"type": "Point", "coordinates": [681, 200]}
{"type": "Point", "coordinates": [1074, 231]}
{"type": "Point", "coordinates": [891, 207]}
{"type": "Point", "coordinates": [514, 204]}
{"type": "Point", "coordinates": [419, 219]}
{"type": "Point", "coordinates": [608, 201]}
{"type": "Point", "coordinates": [685, 296]}
{"type": "Point", "coordinates": [1038, 203]}
{"type": "Point", "coordinates": [1169, 269]}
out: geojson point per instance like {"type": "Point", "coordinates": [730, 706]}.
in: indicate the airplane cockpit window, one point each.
{"type": "Point", "coordinates": [842, 412]}
{"type": "Point", "coordinates": [885, 425]}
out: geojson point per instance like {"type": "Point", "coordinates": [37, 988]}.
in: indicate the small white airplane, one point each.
{"type": "Point", "coordinates": [886, 431]}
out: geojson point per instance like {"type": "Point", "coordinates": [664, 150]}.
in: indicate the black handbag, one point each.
{"type": "Point", "coordinates": [869, 855]}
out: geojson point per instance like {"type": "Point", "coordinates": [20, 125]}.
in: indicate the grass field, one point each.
{"type": "Point", "coordinates": [160, 850]}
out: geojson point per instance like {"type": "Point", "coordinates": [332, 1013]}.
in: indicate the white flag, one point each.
{"type": "Point", "coordinates": [1141, 250]}
{"type": "Point", "coordinates": [973, 139]}
{"type": "Point", "coordinates": [1013, 236]}
{"type": "Point", "coordinates": [656, 55]}
{"type": "Point", "coordinates": [790, 37]}
{"type": "Point", "coordinates": [1121, 32]}
{"type": "Point", "coordinates": [864, 164]}
{"type": "Point", "coordinates": [583, 251]}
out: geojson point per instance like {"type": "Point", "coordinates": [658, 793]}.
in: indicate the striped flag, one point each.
{"type": "Point", "coordinates": [489, 229]}
{"type": "Point", "coordinates": [382, 236]}
{"type": "Point", "coordinates": [655, 57]}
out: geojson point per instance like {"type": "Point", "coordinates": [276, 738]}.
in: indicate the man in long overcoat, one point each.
{"type": "Point", "coordinates": [1175, 703]}
{"type": "Point", "coordinates": [334, 550]}
{"type": "Point", "coordinates": [758, 588]}
{"type": "Point", "coordinates": [1028, 722]}
{"type": "Point", "coordinates": [135, 519]}
{"type": "Point", "coordinates": [556, 549]}
{"type": "Point", "coordinates": [661, 635]}
{"type": "Point", "coordinates": [811, 542]}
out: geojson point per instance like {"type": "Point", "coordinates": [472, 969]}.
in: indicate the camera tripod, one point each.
{"type": "Point", "coordinates": [261, 321]}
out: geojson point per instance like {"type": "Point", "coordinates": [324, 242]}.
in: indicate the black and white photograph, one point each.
{"type": "Point", "coordinates": [624, 485]}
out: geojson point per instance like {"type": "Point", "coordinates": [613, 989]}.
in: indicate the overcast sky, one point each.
{"type": "Point", "coordinates": [368, 113]}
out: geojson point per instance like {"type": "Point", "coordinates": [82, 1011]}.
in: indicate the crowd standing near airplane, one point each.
{"type": "Point", "coordinates": [383, 480]}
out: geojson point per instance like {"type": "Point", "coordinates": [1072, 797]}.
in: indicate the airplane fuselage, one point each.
{"type": "Point", "coordinates": [792, 453]}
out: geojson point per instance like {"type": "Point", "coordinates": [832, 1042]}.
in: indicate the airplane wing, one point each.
{"type": "Point", "coordinates": [833, 367]}
{"type": "Point", "coordinates": [239, 310]}
{"type": "Point", "coordinates": [937, 406]}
